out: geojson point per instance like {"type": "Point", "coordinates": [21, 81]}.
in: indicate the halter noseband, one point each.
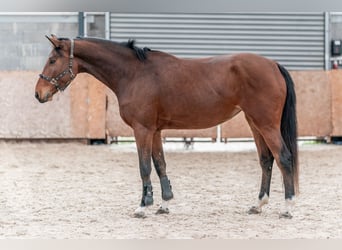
{"type": "Point", "coordinates": [54, 80]}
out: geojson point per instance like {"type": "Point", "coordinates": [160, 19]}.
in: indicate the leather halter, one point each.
{"type": "Point", "coordinates": [54, 80]}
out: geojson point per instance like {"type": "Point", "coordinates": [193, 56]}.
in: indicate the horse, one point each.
{"type": "Point", "coordinates": [156, 90]}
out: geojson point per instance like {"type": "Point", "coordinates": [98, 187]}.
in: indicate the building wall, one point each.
{"type": "Point", "coordinates": [22, 37]}
{"type": "Point", "coordinates": [296, 40]}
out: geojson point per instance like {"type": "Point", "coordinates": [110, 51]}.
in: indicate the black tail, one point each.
{"type": "Point", "coordinates": [289, 124]}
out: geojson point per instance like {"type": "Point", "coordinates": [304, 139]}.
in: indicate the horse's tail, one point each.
{"type": "Point", "coordinates": [289, 125]}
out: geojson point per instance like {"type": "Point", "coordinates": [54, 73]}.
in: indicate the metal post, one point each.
{"type": "Point", "coordinates": [107, 25]}
{"type": "Point", "coordinates": [326, 40]}
{"type": "Point", "coordinates": [85, 24]}
{"type": "Point", "coordinates": [81, 24]}
{"type": "Point", "coordinates": [219, 134]}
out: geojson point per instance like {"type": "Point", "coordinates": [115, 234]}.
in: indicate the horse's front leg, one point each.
{"type": "Point", "coordinates": [144, 138]}
{"type": "Point", "coordinates": [160, 166]}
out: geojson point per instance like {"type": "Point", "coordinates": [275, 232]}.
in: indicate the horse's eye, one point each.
{"type": "Point", "coordinates": [52, 61]}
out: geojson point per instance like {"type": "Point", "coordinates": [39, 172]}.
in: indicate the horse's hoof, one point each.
{"type": "Point", "coordinates": [139, 213]}
{"type": "Point", "coordinates": [163, 211]}
{"type": "Point", "coordinates": [285, 215]}
{"type": "Point", "coordinates": [254, 210]}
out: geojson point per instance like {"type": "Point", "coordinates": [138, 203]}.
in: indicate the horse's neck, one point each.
{"type": "Point", "coordinates": [108, 67]}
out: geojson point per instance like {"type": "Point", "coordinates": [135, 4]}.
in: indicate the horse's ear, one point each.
{"type": "Point", "coordinates": [54, 40]}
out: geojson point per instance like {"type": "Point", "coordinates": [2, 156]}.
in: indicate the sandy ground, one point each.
{"type": "Point", "coordinates": [70, 191]}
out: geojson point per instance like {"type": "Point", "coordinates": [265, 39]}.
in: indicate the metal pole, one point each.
{"type": "Point", "coordinates": [81, 24]}
{"type": "Point", "coordinates": [326, 40]}
{"type": "Point", "coordinates": [107, 25]}
{"type": "Point", "coordinates": [85, 24]}
{"type": "Point", "coordinates": [219, 134]}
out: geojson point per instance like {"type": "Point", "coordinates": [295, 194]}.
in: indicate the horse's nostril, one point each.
{"type": "Point", "coordinates": [37, 95]}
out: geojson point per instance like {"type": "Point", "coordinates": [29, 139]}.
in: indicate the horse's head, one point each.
{"type": "Point", "coordinates": [59, 70]}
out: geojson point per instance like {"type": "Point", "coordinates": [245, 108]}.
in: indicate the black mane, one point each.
{"type": "Point", "coordinates": [141, 53]}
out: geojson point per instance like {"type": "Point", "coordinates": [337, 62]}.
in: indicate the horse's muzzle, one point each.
{"type": "Point", "coordinates": [42, 100]}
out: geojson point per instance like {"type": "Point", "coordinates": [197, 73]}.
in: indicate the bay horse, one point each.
{"type": "Point", "coordinates": [157, 91]}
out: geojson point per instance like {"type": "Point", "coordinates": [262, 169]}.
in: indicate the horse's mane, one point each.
{"type": "Point", "coordinates": [141, 53]}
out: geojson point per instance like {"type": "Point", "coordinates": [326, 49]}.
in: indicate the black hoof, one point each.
{"type": "Point", "coordinates": [254, 210]}
{"type": "Point", "coordinates": [285, 215]}
{"type": "Point", "coordinates": [163, 211]}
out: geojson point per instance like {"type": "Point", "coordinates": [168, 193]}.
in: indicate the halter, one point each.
{"type": "Point", "coordinates": [54, 80]}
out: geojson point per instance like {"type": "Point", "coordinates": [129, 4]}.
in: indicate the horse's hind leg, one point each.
{"type": "Point", "coordinates": [283, 157]}
{"type": "Point", "coordinates": [266, 160]}
{"type": "Point", "coordinates": [160, 166]}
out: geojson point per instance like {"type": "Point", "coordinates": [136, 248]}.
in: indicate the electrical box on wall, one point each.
{"type": "Point", "coordinates": [336, 47]}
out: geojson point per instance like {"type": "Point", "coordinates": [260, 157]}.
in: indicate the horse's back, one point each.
{"type": "Point", "coordinates": [200, 93]}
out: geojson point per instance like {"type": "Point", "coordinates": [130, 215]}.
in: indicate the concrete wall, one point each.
{"type": "Point", "coordinates": [78, 112]}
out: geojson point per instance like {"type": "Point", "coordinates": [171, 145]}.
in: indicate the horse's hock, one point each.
{"type": "Point", "coordinates": [89, 110]}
